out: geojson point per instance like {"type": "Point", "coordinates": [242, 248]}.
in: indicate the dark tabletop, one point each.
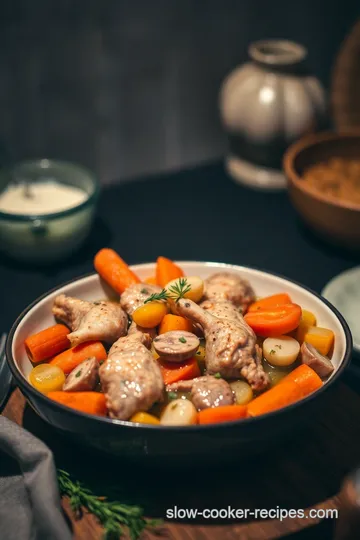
{"type": "Point", "coordinates": [197, 214]}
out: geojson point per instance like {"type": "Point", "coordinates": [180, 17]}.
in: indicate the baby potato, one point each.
{"type": "Point", "coordinates": [179, 412]}
{"type": "Point", "coordinates": [150, 315]}
{"type": "Point", "coordinates": [196, 291]}
{"type": "Point", "coordinates": [281, 351]}
{"type": "Point", "coordinates": [144, 418]}
{"type": "Point", "coordinates": [243, 392]}
{"type": "Point", "coordinates": [47, 378]}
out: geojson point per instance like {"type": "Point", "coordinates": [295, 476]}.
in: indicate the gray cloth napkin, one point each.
{"type": "Point", "coordinates": [29, 496]}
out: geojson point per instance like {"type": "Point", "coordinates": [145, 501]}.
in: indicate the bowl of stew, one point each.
{"type": "Point", "coordinates": [323, 172]}
{"type": "Point", "coordinates": [165, 360]}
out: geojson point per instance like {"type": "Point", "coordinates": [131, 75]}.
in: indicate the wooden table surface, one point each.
{"type": "Point", "coordinates": [304, 472]}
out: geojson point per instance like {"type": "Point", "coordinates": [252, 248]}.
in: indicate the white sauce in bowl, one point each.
{"type": "Point", "coordinates": [46, 198]}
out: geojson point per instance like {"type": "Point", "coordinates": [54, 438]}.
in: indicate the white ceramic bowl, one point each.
{"type": "Point", "coordinates": [45, 238]}
{"type": "Point", "coordinates": [126, 438]}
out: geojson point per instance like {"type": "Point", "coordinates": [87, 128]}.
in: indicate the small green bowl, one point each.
{"type": "Point", "coordinates": [46, 238]}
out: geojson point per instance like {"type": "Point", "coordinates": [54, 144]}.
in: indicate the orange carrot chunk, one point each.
{"type": "Point", "coordinates": [87, 402]}
{"type": "Point", "coordinates": [274, 321]}
{"type": "Point", "coordinates": [305, 377]}
{"type": "Point", "coordinates": [279, 396]}
{"type": "Point", "coordinates": [68, 360]}
{"type": "Point", "coordinates": [111, 267]}
{"type": "Point", "coordinates": [47, 343]}
{"type": "Point", "coordinates": [175, 322]}
{"type": "Point", "coordinates": [179, 372]}
{"type": "Point", "coordinates": [166, 270]}
{"type": "Point", "coordinates": [272, 301]}
{"type": "Point", "coordinates": [225, 413]}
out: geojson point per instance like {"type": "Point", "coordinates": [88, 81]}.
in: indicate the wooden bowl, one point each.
{"type": "Point", "coordinates": [337, 221]}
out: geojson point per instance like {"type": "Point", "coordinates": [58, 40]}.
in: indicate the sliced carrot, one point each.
{"type": "Point", "coordinates": [279, 396]}
{"type": "Point", "coordinates": [175, 322]}
{"type": "Point", "coordinates": [68, 360]}
{"type": "Point", "coordinates": [272, 301]}
{"type": "Point", "coordinates": [275, 322]}
{"type": "Point", "coordinates": [111, 267]}
{"type": "Point", "coordinates": [225, 413]}
{"type": "Point", "coordinates": [47, 343]}
{"type": "Point", "coordinates": [87, 402]}
{"type": "Point", "coordinates": [305, 377]}
{"type": "Point", "coordinates": [151, 280]}
{"type": "Point", "coordinates": [167, 270]}
{"type": "Point", "coordinates": [172, 372]}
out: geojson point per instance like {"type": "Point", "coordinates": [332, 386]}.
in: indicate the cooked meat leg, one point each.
{"type": "Point", "coordinates": [89, 321]}
{"type": "Point", "coordinates": [228, 286]}
{"type": "Point", "coordinates": [205, 391]}
{"type": "Point", "coordinates": [135, 296]}
{"type": "Point", "coordinates": [130, 377]}
{"type": "Point", "coordinates": [231, 348]}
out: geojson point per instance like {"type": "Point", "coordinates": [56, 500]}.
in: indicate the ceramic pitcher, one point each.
{"type": "Point", "coordinates": [265, 105]}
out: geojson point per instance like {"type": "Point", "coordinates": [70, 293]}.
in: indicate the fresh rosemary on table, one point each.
{"type": "Point", "coordinates": [175, 292]}
{"type": "Point", "coordinates": [112, 515]}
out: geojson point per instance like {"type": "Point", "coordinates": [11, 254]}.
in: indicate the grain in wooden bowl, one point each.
{"type": "Point", "coordinates": [323, 173]}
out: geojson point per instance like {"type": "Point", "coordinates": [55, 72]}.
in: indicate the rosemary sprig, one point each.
{"type": "Point", "coordinates": [113, 516]}
{"type": "Point", "coordinates": [163, 295]}
{"type": "Point", "coordinates": [179, 290]}
{"type": "Point", "coordinates": [175, 292]}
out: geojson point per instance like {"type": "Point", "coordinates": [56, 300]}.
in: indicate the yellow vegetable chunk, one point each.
{"type": "Point", "coordinates": [144, 418]}
{"type": "Point", "coordinates": [243, 392]}
{"type": "Point", "coordinates": [47, 378]}
{"type": "Point", "coordinates": [179, 412]}
{"type": "Point", "coordinates": [195, 283]}
{"type": "Point", "coordinates": [321, 338]}
{"type": "Point", "coordinates": [307, 320]}
{"type": "Point", "coordinates": [281, 351]}
{"type": "Point", "coordinates": [150, 315]}
{"type": "Point", "coordinates": [307, 317]}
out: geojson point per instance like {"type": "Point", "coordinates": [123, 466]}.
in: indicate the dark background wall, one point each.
{"type": "Point", "coordinates": [130, 87]}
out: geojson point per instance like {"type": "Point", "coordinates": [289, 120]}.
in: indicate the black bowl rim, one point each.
{"type": "Point", "coordinates": [22, 382]}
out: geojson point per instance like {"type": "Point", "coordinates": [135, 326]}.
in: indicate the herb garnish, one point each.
{"type": "Point", "coordinates": [163, 295]}
{"type": "Point", "coordinates": [78, 373]}
{"type": "Point", "coordinates": [175, 292]}
{"type": "Point", "coordinates": [144, 291]}
{"type": "Point", "coordinates": [217, 375]}
{"type": "Point", "coordinates": [272, 351]}
{"type": "Point", "coordinates": [113, 516]}
{"type": "Point", "coordinates": [172, 395]}
{"type": "Point", "coordinates": [182, 339]}
{"type": "Point", "coordinates": [278, 346]}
